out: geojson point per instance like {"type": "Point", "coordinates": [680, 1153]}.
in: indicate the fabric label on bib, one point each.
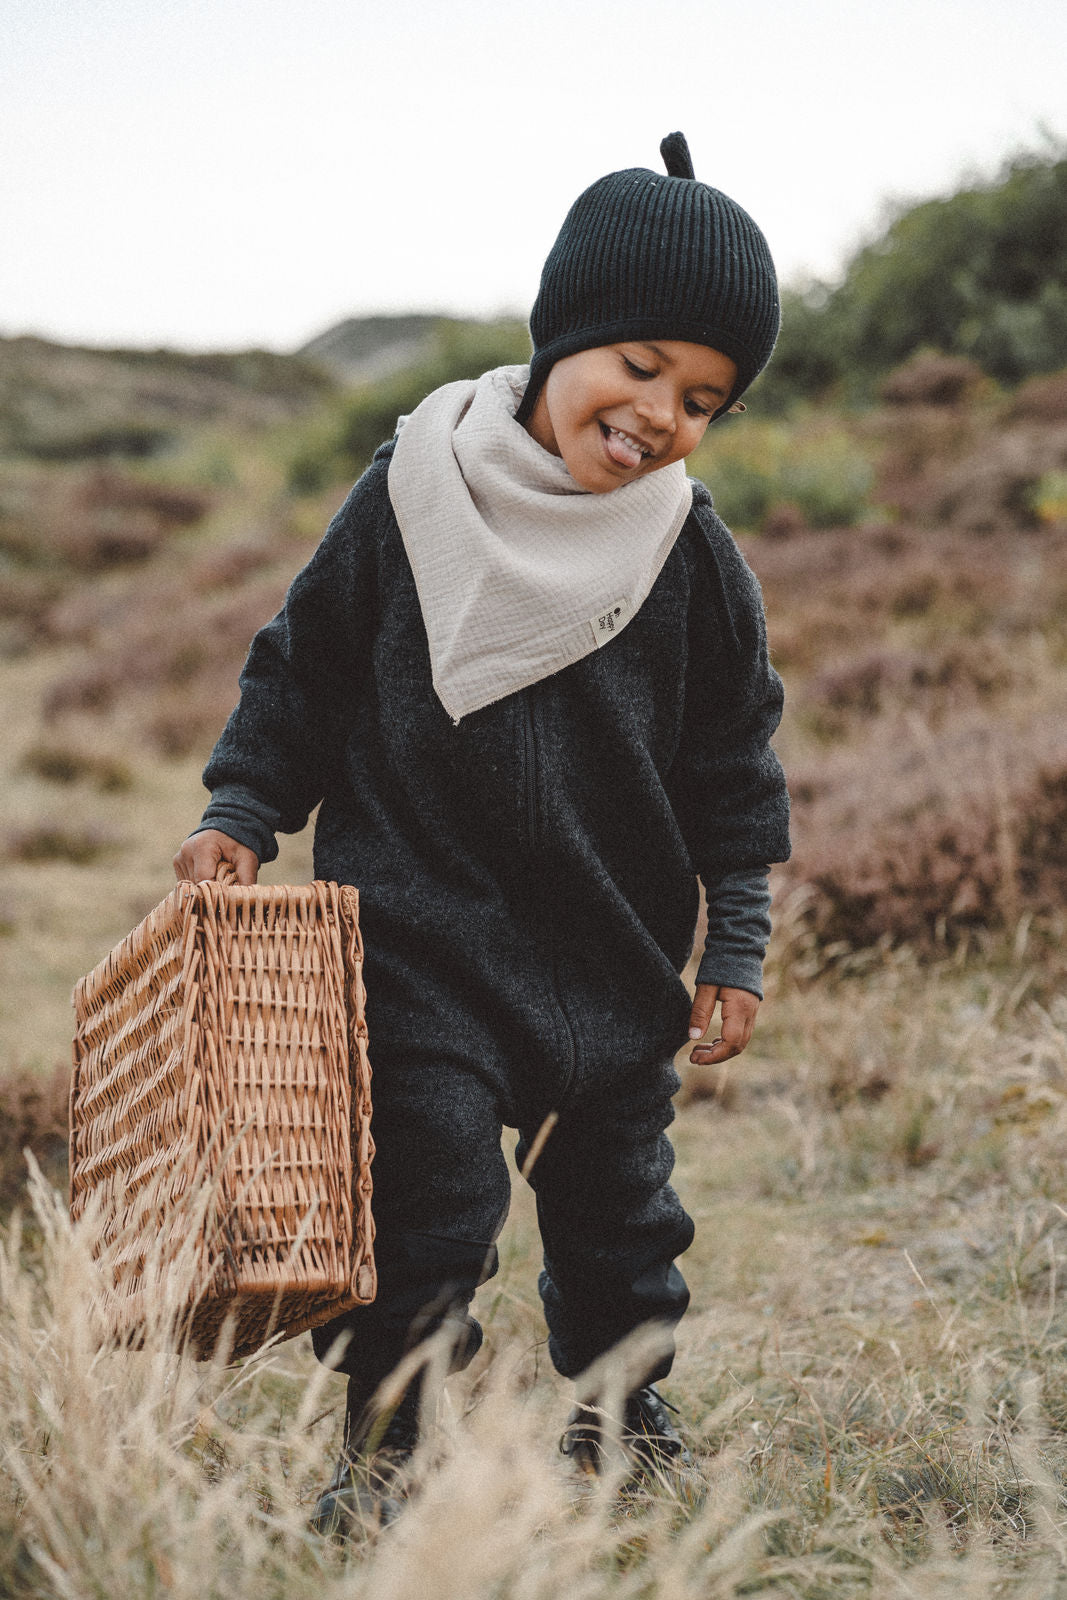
{"type": "Point", "coordinates": [607, 624]}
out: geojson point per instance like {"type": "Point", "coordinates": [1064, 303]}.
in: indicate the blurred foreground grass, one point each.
{"type": "Point", "coordinates": [871, 1373]}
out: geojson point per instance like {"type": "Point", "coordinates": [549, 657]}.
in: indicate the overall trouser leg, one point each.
{"type": "Point", "coordinates": [441, 1193]}
{"type": "Point", "coordinates": [611, 1224]}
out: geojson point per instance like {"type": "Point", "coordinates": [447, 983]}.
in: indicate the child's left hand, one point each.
{"type": "Point", "coordinates": [737, 1018]}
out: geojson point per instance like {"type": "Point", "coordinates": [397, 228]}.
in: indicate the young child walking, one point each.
{"type": "Point", "coordinates": [525, 677]}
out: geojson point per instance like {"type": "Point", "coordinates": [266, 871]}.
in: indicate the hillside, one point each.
{"type": "Point", "coordinates": [364, 349]}
{"type": "Point", "coordinates": [872, 1371]}
{"type": "Point", "coordinates": [68, 403]}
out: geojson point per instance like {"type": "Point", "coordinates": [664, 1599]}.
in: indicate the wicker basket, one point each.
{"type": "Point", "coordinates": [220, 1112]}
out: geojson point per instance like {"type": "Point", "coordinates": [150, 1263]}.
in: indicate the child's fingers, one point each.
{"type": "Point", "coordinates": [246, 864]}
{"type": "Point", "coordinates": [198, 859]}
{"type": "Point", "coordinates": [738, 1010]}
{"type": "Point", "coordinates": [704, 1002]}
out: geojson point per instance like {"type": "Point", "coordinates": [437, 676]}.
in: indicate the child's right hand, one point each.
{"type": "Point", "coordinates": [198, 859]}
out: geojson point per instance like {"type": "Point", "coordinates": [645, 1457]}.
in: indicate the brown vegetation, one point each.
{"type": "Point", "coordinates": [926, 838]}
{"type": "Point", "coordinates": [33, 1117]}
{"type": "Point", "coordinates": [171, 662]}
{"type": "Point", "coordinates": [932, 379]}
{"type": "Point", "coordinates": [69, 763]}
{"type": "Point", "coordinates": [925, 657]}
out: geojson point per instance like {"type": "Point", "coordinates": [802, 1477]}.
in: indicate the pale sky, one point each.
{"type": "Point", "coordinates": [219, 173]}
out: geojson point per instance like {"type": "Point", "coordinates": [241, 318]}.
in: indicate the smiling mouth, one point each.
{"type": "Point", "coordinates": [623, 448]}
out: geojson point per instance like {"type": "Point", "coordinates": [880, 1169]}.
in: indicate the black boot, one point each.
{"type": "Point", "coordinates": [367, 1489]}
{"type": "Point", "coordinates": [647, 1443]}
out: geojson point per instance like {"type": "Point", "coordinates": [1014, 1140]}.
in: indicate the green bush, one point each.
{"type": "Point", "coordinates": [1047, 500]}
{"type": "Point", "coordinates": [810, 355]}
{"type": "Point", "coordinates": [828, 479]}
{"type": "Point", "coordinates": [744, 491]}
{"type": "Point", "coordinates": [753, 469]}
{"type": "Point", "coordinates": [981, 274]}
{"type": "Point", "coordinates": [342, 445]}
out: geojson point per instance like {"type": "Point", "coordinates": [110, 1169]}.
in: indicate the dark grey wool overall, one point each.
{"type": "Point", "coordinates": [528, 893]}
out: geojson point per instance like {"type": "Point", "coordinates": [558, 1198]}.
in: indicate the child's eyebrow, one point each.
{"type": "Point", "coordinates": [668, 361]}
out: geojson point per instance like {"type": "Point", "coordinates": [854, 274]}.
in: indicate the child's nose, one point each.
{"type": "Point", "coordinates": [657, 410]}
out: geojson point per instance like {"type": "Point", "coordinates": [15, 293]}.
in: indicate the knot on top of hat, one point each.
{"type": "Point", "coordinates": [676, 157]}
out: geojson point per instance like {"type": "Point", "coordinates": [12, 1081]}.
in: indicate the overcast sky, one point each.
{"type": "Point", "coordinates": [233, 172]}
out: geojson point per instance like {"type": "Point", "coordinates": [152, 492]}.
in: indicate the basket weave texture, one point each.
{"type": "Point", "coordinates": [221, 1050]}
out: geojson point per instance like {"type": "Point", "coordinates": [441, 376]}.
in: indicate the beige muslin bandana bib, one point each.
{"type": "Point", "coordinates": [519, 572]}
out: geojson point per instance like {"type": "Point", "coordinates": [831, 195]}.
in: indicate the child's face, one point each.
{"type": "Point", "coordinates": [621, 411]}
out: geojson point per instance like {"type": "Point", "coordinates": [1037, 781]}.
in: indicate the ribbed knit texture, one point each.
{"type": "Point", "coordinates": [648, 256]}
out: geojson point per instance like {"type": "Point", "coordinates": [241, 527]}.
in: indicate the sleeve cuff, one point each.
{"type": "Point", "coordinates": [739, 925]}
{"type": "Point", "coordinates": [244, 816]}
{"type": "Point", "coordinates": [727, 971]}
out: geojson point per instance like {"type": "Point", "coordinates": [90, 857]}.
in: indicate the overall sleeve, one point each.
{"type": "Point", "coordinates": [728, 786]}
{"type": "Point", "coordinates": [272, 764]}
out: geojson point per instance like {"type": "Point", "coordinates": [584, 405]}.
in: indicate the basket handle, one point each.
{"type": "Point", "coordinates": [226, 874]}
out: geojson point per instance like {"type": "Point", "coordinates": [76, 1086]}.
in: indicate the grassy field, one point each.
{"type": "Point", "coordinates": [872, 1372]}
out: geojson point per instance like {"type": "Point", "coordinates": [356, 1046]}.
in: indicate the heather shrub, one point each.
{"type": "Point", "coordinates": [997, 485]}
{"type": "Point", "coordinates": [1041, 399]}
{"type": "Point", "coordinates": [111, 518]}
{"type": "Point", "coordinates": [929, 378]}
{"type": "Point", "coordinates": [229, 566]}
{"type": "Point", "coordinates": [33, 1116]}
{"type": "Point", "coordinates": [845, 593]}
{"type": "Point", "coordinates": [976, 465]}
{"type": "Point", "coordinates": [68, 763]}
{"type": "Point", "coordinates": [929, 841]}
{"type": "Point", "coordinates": [76, 843]}
{"type": "Point", "coordinates": [937, 680]}
{"type": "Point", "coordinates": [136, 441]}
{"type": "Point", "coordinates": [171, 505]}
{"type": "Point", "coordinates": [92, 520]}
{"type": "Point", "coordinates": [171, 662]}
{"type": "Point", "coordinates": [25, 600]}
{"type": "Point", "coordinates": [923, 677]}
{"type": "Point", "coordinates": [913, 446]}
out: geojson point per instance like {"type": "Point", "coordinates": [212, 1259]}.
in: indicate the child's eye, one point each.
{"type": "Point", "coordinates": [695, 409]}
{"type": "Point", "coordinates": [638, 372]}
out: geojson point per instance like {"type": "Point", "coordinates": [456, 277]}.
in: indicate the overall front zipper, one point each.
{"type": "Point", "coordinates": [529, 741]}
{"type": "Point", "coordinates": [530, 765]}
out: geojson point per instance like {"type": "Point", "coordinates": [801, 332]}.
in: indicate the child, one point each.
{"type": "Point", "coordinates": [526, 675]}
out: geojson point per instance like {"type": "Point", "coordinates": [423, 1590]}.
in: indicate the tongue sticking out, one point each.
{"type": "Point", "coordinates": [621, 451]}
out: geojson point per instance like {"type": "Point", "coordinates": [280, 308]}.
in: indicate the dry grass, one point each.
{"type": "Point", "coordinates": [871, 1372]}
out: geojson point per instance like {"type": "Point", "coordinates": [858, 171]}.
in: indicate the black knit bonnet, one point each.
{"type": "Point", "coordinates": [642, 256]}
